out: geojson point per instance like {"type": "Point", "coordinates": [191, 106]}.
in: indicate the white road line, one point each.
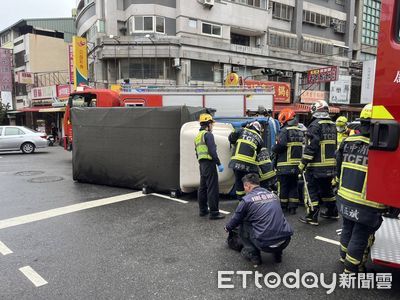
{"type": "Point", "coordinates": [327, 240]}
{"type": "Point", "coordinates": [4, 249]}
{"type": "Point", "coordinates": [33, 276]}
{"type": "Point", "coordinates": [338, 230]}
{"type": "Point", "coordinates": [224, 212]}
{"type": "Point", "coordinates": [170, 198]}
{"type": "Point", "coordinates": [66, 210]}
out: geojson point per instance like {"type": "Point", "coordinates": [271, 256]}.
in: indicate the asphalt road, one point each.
{"type": "Point", "coordinates": [145, 247]}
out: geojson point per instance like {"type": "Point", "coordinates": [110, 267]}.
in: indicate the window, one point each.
{"type": "Point", "coordinates": [239, 39]}
{"type": "Point", "coordinates": [13, 131]}
{"type": "Point", "coordinates": [5, 38]}
{"type": "Point", "coordinates": [146, 68]}
{"type": "Point", "coordinates": [1, 130]}
{"type": "Point", "coordinates": [371, 17]}
{"type": "Point", "coordinates": [147, 24]}
{"type": "Point", "coordinates": [282, 40]}
{"type": "Point", "coordinates": [339, 26]}
{"type": "Point", "coordinates": [282, 11]}
{"type": "Point", "coordinates": [317, 47]}
{"type": "Point", "coordinates": [202, 70]}
{"type": "Point", "coordinates": [340, 2]}
{"type": "Point", "coordinates": [192, 23]}
{"type": "Point", "coordinates": [255, 3]}
{"type": "Point", "coordinates": [18, 43]}
{"type": "Point", "coordinates": [211, 29]}
{"type": "Point", "coordinates": [316, 19]}
{"type": "Point", "coordinates": [19, 59]}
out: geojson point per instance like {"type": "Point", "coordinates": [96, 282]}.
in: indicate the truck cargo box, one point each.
{"type": "Point", "coordinates": [129, 147]}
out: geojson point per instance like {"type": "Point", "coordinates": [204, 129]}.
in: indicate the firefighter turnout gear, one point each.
{"type": "Point", "coordinates": [319, 161]}
{"type": "Point", "coordinates": [286, 115]}
{"type": "Point", "coordinates": [266, 170]}
{"type": "Point", "coordinates": [247, 144]}
{"type": "Point", "coordinates": [205, 118]}
{"type": "Point", "coordinates": [361, 217]}
{"type": "Point", "coordinates": [288, 150]}
{"type": "Point", "coordinates": [341, 128]}
{"type": "Point", "coordinates": [208, 192]}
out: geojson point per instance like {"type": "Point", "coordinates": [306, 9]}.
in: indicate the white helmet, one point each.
{"type": "Point", "coordinates": [256, 125]}
{"type": "Point", "coordinates": [320, 109]}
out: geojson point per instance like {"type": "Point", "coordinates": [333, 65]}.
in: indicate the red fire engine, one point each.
{"type": "Point", "coordinates": [383, 182]}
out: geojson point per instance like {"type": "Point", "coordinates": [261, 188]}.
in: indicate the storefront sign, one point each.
{"type": "Point", "coordinates": [340, 90]}
{"type": "Point", "coordinates": [282, 89]}
{"type": "Point", "coordinates": [6, 84]}
{"type": "Point", "coordinates": [46, 92]}
{"type": "Point", "coordinates": [312, 96]}
{"type": "Point", "coordinates": [80, 61]}
{"type": "Point", "coordinates": [71, 63]}
{"type": "Point", "coordinates": [63, 91]}
{"type": "Point", "coordinates": [25, 78]}
{"type": "Point", "coordinates": [322, 75]}
{"type": "Point", "coordinates": [368, 80]}
{"type": "Point", "coordinates": [232, 79]}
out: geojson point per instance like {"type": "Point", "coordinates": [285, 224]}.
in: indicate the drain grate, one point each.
{"type": "Point", "coordinates": [29, 173]}
{"type": "Point", "coordinates": [45, 179]}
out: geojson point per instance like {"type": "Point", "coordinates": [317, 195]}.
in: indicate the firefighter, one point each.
{"type": "Point", "coordinates": [248, 143]}
{"type": "Point", "coordinates": [288, 150]}
{"type": "Point", "coordinates": [206, 152]}
{"type": "Point", "coordinates": [342, 130]}
{"type": "Point", "coordinates": [361, 217]}
{"type": "Point", "coordinates": [319, 164]}
{"type": "Point", "coordinates": [266, 170]}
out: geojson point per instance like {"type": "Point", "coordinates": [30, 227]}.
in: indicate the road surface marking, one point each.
{"type": "Point", "coordinates": [170, 198]}
{"type": "Point", "coordinates": [6, 223]}
{"type": "Point", "coordinates": [224, 212]}
{"type": "Point", "coordinates": [338, 230]}
{"type": "Point", "coordinates": [33, 276]}
{"type": "Point", "coordinates": [4, 249]}
{"type": "Point", "coordinates": [327, 240]}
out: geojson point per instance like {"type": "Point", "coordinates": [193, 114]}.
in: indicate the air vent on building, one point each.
{"type": "Point", "coordinates": [208, 3]}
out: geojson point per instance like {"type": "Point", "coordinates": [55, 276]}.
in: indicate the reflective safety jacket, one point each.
{"type": "Point", "coordinates": [265, 167]}
{"type": "Point", "coordinates": [248, 145]}
{"type": "Point", "coordinates": [201, 146]}
{"type": "Point", "coordinates": [341, 136]}
{"type": "Point", "coordinates": [320, 148]}
{"type": "Point", "coordinates": [289, 149]}
{"type": "Point", "coordinates": [352, 168]}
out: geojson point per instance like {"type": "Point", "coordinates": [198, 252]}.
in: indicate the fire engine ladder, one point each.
{"type": "Point", "coordinates": [386, 249]}
{"type": "Point", "coordinates": [131, 88]}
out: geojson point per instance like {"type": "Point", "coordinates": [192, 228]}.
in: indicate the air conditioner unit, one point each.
{"type": "Point", "coordinates": [288, 74]}
{"type": "Point", "coordinates": [176, 63]}
{"type": "Point", "coordinates": [208, 3]}
{"type": "Point", "coordinates": [258, 42]}
{"type": "Point", "coordinates": [26, 58]}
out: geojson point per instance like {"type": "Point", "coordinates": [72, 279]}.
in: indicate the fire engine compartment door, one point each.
{"type": "Point", "coordinates": [226, 105]}
{"type": "Point", "coordinates": [253, 102]}
{"type": "Point", "coordinates": [189, 100]}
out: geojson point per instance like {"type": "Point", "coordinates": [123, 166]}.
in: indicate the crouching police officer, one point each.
{"type": "Point", "coordinates": [206, 152]}
{"type": "Point", "coordinates": [263, 226]}
{"type": "Point", "coordinates": [361, 217]}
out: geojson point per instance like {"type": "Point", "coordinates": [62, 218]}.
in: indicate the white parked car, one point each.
{"type": "Point", "coordinates": [19, 138]}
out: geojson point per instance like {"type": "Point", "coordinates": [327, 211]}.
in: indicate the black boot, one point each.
{"type": "Point", "coordinates": [311, 218]}
{"type": "Point", "coordinates": [278, 257]}
{"type": "Point", "coordinates": [330, 213]}
{"type": "Point", "coordinates": [217, 216]}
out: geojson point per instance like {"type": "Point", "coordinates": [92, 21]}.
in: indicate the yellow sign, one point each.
{"type": "Point", "coordinates": [232, 79]}
{"type": "Point", "coordinates": [116, 88]}
{"type": "Point", "coordinates": [79, 45]}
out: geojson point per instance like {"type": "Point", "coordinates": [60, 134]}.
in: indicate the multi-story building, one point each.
{"type": "Point", "coordinates": [40, 58]}
{"type": "Point", "coordinates": [189, 42]}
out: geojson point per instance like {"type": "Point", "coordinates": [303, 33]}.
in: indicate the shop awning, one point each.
{"type": "Point", "coordinates": [34, 108]}
{"type": "Point", "coordinates": [13, 112]}
{"type": "Point", "coordinates": [53, 109]}
{"type": "Point", "coordinates": [303, 108]}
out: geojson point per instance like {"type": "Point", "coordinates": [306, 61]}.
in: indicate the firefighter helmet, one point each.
{"type": "Point", "coordinates": [206, 118]}
{"type": "Point", "coordinates": [319, 106]}
{"type": "Point", "coordinates": [341, 121]}
{"type": "Point", "coordinates": [366, 112]}
{"type": "Point", "coordinates": [286, 115]}
{"type": "Point", "coordinates": [256, 125]}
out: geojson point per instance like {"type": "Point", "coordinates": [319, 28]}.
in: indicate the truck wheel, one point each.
{"type": "Point", "coordinates": [27, 148]}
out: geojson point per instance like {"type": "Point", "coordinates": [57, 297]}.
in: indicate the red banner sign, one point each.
{"type": "Point", "coordinates": [71, 63]}
{"type": "Point", "coordinates": [322, 75]}
{"type": "Point", "coordinates": [282, 89]}
{"type": "Point", "coordinates": [63, 91]}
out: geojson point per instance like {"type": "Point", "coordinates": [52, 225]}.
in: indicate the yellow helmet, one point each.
{"type": "Point", "coordinates": [366, 112]}
{"type": "Point", "coordinates": [341, 121]}
{"type": "Point", "coordinates": [204, 118]}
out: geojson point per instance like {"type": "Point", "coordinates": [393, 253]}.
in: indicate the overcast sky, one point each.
{"type": "Point", "coordinates": [12, 11]}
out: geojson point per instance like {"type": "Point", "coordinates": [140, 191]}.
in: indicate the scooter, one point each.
{"type": "Point", "coordinates": [50, 140]}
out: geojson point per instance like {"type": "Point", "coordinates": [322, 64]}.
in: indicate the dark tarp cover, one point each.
{"type": "Point", "coordinates": [129, 147]}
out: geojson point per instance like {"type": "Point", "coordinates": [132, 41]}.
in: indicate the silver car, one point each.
{"type": "Point", "coordinates": [19, 138]}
